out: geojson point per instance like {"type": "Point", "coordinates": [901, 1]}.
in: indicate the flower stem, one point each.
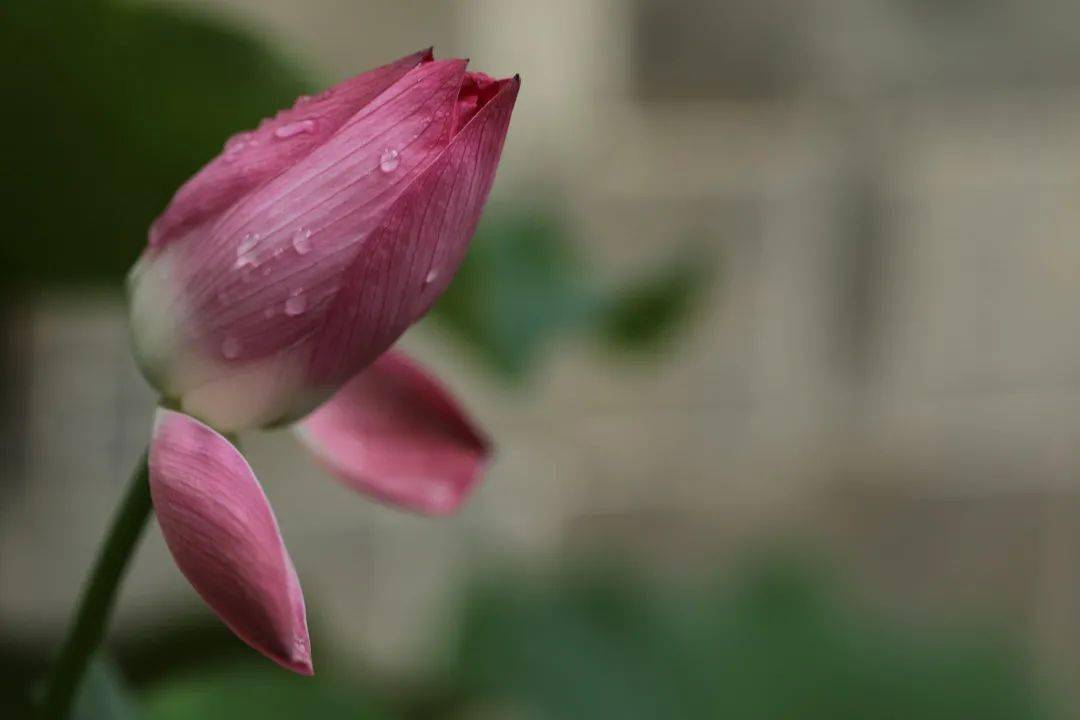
{"type": "Point", "coordinates": [88, 627]}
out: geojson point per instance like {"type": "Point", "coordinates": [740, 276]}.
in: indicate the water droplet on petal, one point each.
{"type": "Point", "coordinates": [230, 348]}
{"type": "Point", "coordinates": [431, 277]}
{"type": "Point", "coordinates": [300, 127]}
{"type": "Point", "coordinates": [237, 141]}
{"type": "Point", "coordinates": [247, 244]}
{"type": "Point", "coordinates": [301, 241]}
{"type": "Point", "coordinates": [235, 145]}
{"type": "Point", "coordinates": [245, 255]}
{"type": "Point", "coordinates": [389, 160]}
{"type": "Point", "coordinates": [296, 304]}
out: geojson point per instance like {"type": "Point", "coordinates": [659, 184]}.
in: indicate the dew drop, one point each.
{"type": "Point", "coordinates": [301, 241]}
{"type": "Point", "coordinates": [246, 261]}
{"type": "Point", "coordinates": [245, 255]}
{"type": "Point", "coordinates": [300, 645]}
{"type": "Point", "coordinates": [300, 127]}
{"type": "Point", "coordinates": [389, 160]}
{"type": "Point", "coordinates": [237, 142]}
{"type": "Point", "coordinates": [431, 277]}
{"type": "Point", "coordinates": [235, 145]}
{"type": "Point", "coordinates": [247, 244]}
{"type": "Point", "coordinates": [230, 348]}
{"type": "Point", "coordinates": [296, 304]}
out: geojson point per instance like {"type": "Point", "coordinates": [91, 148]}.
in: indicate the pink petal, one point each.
{"type": "Point", "coordinates": [395, 433]}
{"type": "Point", "coordinates": [275, 294]}
{"type": "Point", "coordinates": [251, 158]}
{"type": "Point", "coordinates": [414, 253]}
{"type": "Point", "coordinates": [225, 539]}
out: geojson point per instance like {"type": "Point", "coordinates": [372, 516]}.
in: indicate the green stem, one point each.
{"type": "Point", "coordinates": [99, 596]}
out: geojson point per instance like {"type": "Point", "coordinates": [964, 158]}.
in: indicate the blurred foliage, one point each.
{"type": "Point", "coordinates": [522, 287]}
{"type": "Point", "coordinates": [778, 641]}
{"type": "Point", "coordinates": [645, 313]}
{"type": "Point", "coordinates": [111, 107]}
{"type": "Point", "coordinates": [256, 691]}
{"type": "Point", "coordinates": [778, 645]}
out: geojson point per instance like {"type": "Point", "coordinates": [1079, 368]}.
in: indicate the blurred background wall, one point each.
{"type": "Point", "coordinates": [886, 365]}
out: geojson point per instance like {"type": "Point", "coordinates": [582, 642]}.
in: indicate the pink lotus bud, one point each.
{"type": "Point", "coordinates": [307, 247]}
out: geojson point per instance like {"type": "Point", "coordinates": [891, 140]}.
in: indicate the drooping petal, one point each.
{"type": "Point", "coordinates": [395, 433]}
{"type": "Point", "coordinates": [223, 535]}
{"type": "Point", "coordinates": [414, 253]}
{"type": "Point", "coordinates": [251, 158]}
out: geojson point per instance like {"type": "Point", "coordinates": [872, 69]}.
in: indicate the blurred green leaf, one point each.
{"type": "Point", "coordinates": [522, 288]}
{"type": "Point", "coordinates": [643, 314]}
{"type": "Point", "coordinates": [110, 108]}
{"type": "Point", "coordinates": [519, 289]}
{"type": "Point", "coordinates": [235, 692]}
{"type": "Point", "coordinates": [588, 650]}
{"type": "Point", "coordinates": [778, 645]}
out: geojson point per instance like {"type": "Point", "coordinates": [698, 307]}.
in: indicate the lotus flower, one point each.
{"type": "Point", "coordinates": [271, 291]}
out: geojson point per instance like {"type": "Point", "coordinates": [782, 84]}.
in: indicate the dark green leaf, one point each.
{"type": "Point", "coordinates": [109, 108]}
{"type": "Point", "coordinates": [519, 289]}
{"type": "Point", "coordinates": [641, 315]}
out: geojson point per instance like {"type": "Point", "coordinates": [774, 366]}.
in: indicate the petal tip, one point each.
{"type": "Point", "coordinates": [300, 661]}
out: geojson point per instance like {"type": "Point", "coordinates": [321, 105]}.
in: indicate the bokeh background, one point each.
{"type": "Point", "coordinates": [773, 316]}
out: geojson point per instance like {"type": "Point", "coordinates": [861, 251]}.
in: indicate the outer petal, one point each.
{"type": "Point", "coordinates": [416, 250]}
{"type": "Point", "coordinates": [222, 323]}
{"type": "Point", "coordinates": [395, 433]}
{"type": "Point", "coordinates": [251, 158]}
{"type": "Point", "coordinates": [223, 535]}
